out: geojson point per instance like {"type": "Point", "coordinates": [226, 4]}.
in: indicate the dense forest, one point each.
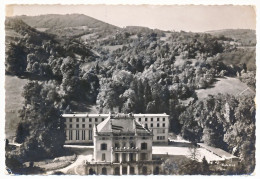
{"type": "Point", "coordinates": [132, 69]}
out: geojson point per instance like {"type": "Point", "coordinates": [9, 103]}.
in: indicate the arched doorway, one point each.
{"type": "Point", "coordinates": [124, 170]}
{"type": "Point", "coordinates": [132, 171]}
{"type": "Point", "coordinates": [104, 171]}
{"type": "Point", "coordinates": [156, 171]}
{"type": "Point", "coordinates": [91, 171]}
{"type": "Point", "coordinates": [117, 171]}
{"type": "Point", "coordinates": [144, 170]}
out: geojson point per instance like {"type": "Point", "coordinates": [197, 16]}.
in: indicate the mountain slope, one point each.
{"type": "Point", "coordinates": [67, 25]}
{"type": "Point", "coordinates": [246, 37]}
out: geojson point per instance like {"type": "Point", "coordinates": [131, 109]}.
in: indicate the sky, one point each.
{"type": "Point", "coordinates": [173, 17]}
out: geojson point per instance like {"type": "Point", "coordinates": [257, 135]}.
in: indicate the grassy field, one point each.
{"type": "Point", "coordinates": [226, 85]}
{"type": "Point", "coordinates": [13, 103]}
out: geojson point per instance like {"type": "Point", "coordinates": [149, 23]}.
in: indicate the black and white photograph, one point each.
{"type": "Point", "coordinates": [130, 89]}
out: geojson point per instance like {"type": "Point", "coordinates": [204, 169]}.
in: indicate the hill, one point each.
{"type": "Point", "coordinates": [246, 37]}
{"type": "Point", "coordinates": [232, 86]}
{"type": "Point", "coordinates": [16, 29]}
{"type": "Point", "coordinates": [68, 25]}
{"type": "Point", "coordinates": [14, 102]}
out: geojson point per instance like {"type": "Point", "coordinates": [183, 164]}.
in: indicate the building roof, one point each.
{"type": "Point", "coordinates": [217, 151]}
{"type": "Point", "coordinates": [121, 123]}
{"type": "Point", "coordinates": [82, 115]}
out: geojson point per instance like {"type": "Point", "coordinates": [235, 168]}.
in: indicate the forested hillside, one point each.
{"type": "Point", "coordinates": [246, 37]}
{"type": "Point", "coordinates": [126, 70]}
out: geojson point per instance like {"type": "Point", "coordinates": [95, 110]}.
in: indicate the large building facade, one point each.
{"type": "Point", "coordinates": [122, 146]}
{"type": "Point", "coordinates": [79, 127]}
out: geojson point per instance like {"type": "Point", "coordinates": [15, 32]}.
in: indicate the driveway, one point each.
{"type": "Point", "coordinates": [77, 168]}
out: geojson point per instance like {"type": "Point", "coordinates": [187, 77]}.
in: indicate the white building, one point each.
{"type": "Point", "coordinates": [79, 127]}
{"type": "Point", "coordinates": [122, 146]}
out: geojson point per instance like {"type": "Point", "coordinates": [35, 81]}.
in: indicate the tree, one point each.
{"type": "Point", "coordinates": [205, 166]}
{"type": "Point", "coordinates": [194, 153]}
{"type": "Point", "coordinates": [15, 60]}
{"type": "Point", "coordinates": [46, 131]}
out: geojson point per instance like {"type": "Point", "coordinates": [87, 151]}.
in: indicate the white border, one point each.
{"type": "Point", "coordinates": [115, 2]}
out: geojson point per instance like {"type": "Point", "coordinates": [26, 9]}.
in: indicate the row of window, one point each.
{"type": "Point", "coordinates": [144, 171]}
{"type": "Point", "coordinates": [83, 135]}
{"type": "Point", "coordinates": [77, 126]}
{"type": "Point", "coordinates": [130, 138]}
{"type": "Point", "coordinates": [85, 119]}
{"type": "Point", "coordinates": [103, 146]}
{"type": "Point", "coordinates": [132, 157]}
{"type": "Point", "coordinates": [158, 125]}
{"type": "Point", "coordinates": [96, 119]}
{"type": "Point", "coordinates": [160, 137]}
{"type": "Point", "coordinates": [90, 125]}
{"type": "Point", "coordinates": [143, 156]}
{"type": "Point", "coordinates": [160, 131]}
{"type": "Point", "coordinates": [146, 119]}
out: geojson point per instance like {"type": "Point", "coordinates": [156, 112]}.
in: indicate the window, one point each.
{"type": "Point", "coordinates": [156, 171]}
{"type": "Point", "coordinates": [83, 125]}
{"type": "Point", "coordinates": [83, 135]}
{"type": "Point", "coordinates": [103, 146]}
{"type": "Point", "coordinates": [96, 119]}
{"type": "Point", "coordinates": [145, 119]}
{"type": "Point", "coordinates": [158, 125]}
{"type": "Point", "coordinates": [143, 156]}
{"type": "Point", "coordinates": [151, 119]}
{"type": "Point", "coordinates": [158, 119]}
{"type": "Point", "coordinates": [146, 126]}
{"type": "Point", "coordinates": [163, 124]}
{"type": "Point", "coordinates": [103, 119]}
{"type": "Point", "coordinates": [90, 120]}
{"type": "Point", "coordinates": [116, 157]}
{"type": "Point", "coordinates": [77, 134]}
{"type": "Point", "coordinates": [90, 126]}
{"type": "Point", "coordinates": [124, 170]}
{"type": "Point", "coordinates": [70, 125]}
{"type": "Point", "coordinates": [103, 157]}
{"type": "Point", "coordinates": [77, 120]}
{"type": "Point", "coordinates": [77, 125]}
{"type": "Point", "coordinates": [90, 135]}
{"type": "Point", "coordinates": [163, 119]}
{"type": "Point", "coordinates": [124, 144]}
{"type": "Point", "coordinates": [83, 119]}
{"type": "Point", "coordinates": [104, 171]}
{"type": "Point", "coordinates": [140, 119]}
{"type": "Point", "coordinates": [132, 145]}
{"type": "Point", "coordinates": [144, 170]}
{"type": "Point", "coordinates": [132, 170]}
{"type": "Point", "coordinates": [117, 145]}
{"type": "Point", "coordinates": [131, 157]}
{"type": "Point", "coordinates": [123, 157]}
{"type": "Point", "coordinates": [151, 125]}
{"type": "Point", "coordinates": [70, 120]}
{"type": "Point", "coordinates": [91, 171]}
{"type": "Point", "coordinates": [117, 171]}
{"type": "Point", "coordinates": [144, 146]}
{"type": "Point", "coordinates": [70, 135]}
